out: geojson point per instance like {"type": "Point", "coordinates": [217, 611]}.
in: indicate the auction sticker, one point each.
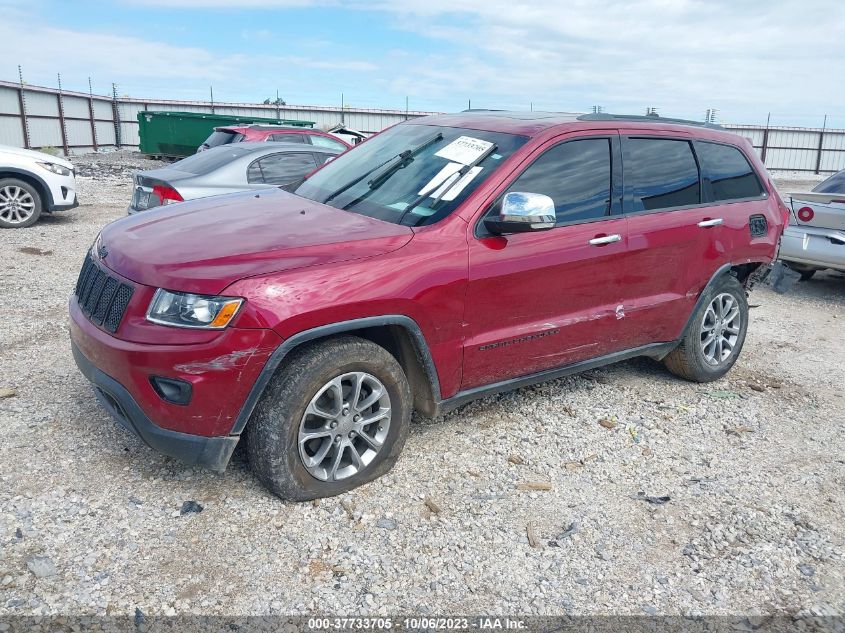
{"type": "Point", "coordinates": [443, 184]}
{"type": "Point", "coordinates": [464, 149]}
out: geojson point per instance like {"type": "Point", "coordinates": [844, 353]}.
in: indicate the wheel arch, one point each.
{"type": "Point", "coordinates": [742, 272]}
{"type": "Point", "coordinates": [400, 335]}
{"type": "Point", "coordinates": [28, 177]}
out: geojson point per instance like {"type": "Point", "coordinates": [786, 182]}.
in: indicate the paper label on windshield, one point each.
{"type": "Point", "coordinates": [445, 177]}
{"type": "Point", "coordinates": [464, 150]}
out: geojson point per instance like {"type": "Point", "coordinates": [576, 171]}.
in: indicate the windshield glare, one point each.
{"type": "Point", "coordinates": [393, 184]}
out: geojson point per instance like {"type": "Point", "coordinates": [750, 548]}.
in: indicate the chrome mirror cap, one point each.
{"type": "Point", "coordinates": [522, 212]}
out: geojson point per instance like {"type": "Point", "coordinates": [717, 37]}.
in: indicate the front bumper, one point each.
{"type": "Point", "coordinates": [212, 452]}
{"type": "Point", "coordinates": [62, 193]}
{"type": "Point", "coordinates": [811, 246]}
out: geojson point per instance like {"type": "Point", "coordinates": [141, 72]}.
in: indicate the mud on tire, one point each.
{"type": "Point", "coordinates": [694, 358]}
{"type": "Point", "coordinates": [279, 423]}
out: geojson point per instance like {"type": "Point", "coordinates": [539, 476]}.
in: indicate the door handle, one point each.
{"type": "Point", "coordinates": [607, 239]}
{"type": "Point", "coordinates": [708, 223]}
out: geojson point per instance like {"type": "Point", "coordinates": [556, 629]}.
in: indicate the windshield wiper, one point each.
{"type": "Point", "coordinates": [460, 173]}
{"type": "Point", "coordinates": [398, 159]}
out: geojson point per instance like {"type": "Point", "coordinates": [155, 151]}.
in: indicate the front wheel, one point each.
{"type": "Point", "coordinates": [715, 336]}
{"type": "Point", "coordinates": [20, 204]}
{"type": "Point", "coordinates": [335, 416]}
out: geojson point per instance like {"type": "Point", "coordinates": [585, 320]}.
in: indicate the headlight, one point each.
{"type": "Point", "coordinates": [56, 169]}
{"type": "Point", "coordinates": [188, 310]}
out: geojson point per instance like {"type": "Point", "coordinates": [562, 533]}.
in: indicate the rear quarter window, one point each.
{"type": "Point", "coordinates": [729, 172]}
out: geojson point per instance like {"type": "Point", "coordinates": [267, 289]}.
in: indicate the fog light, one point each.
{"type": "Point", "coordinates": [171, 389]}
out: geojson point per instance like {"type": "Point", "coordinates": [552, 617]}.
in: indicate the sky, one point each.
{"type": "Point", "coordinates": [745, 58]}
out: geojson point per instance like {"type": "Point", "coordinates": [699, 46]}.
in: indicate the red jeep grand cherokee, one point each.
{"type": "Point", "coordinates": [445, 259]}
{"type": "Point", "coordinates": [285, 133]}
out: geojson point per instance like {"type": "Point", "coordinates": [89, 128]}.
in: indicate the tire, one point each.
{"type": "Point", "coordinates": [20, 204]}
{"type": "Point", "coordinates": [694, 359]}
{"type": "Point", "coordinates": [807, 275]}
{"type": "Point", "coordinates": [305, 385]}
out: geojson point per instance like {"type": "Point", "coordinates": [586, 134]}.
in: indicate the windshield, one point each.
{"type": "Point", "coordinates": [834, 184]}
{"type": "Point", "coordinates": [403, 175]}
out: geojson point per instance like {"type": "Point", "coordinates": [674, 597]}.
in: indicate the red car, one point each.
{"type": "Point", "coordinates": [259, 133]}
{"type": "Point", "coordinates": [445, 259]}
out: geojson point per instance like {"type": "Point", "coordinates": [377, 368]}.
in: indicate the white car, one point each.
{"type": "Point", "coordinates": [32, 183]}
{"type": "Point", "coordinates": [815, 237]}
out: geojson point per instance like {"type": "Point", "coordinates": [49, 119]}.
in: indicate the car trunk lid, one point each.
{"type": "Point", "coordinates": [818, 210]}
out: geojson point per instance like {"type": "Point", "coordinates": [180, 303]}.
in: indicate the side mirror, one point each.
{"type": "Point", "coordinates": [522, 213]}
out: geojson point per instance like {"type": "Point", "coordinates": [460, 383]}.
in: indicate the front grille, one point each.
{"type": "Point", "coordinates": [102, 298]}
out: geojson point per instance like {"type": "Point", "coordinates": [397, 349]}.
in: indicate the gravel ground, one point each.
{"type": "Point", "coordinates": [664, 496]}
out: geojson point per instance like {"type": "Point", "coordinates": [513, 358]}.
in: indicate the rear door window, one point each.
{"type": "Point", "coordinates": [660, 174]}
{"type": "Point", "coordinates": [731, 176]}
{"type": "Point", "coordinates": [289, 138]}
{"type": "Point", "coordinates": [281, 169]}
{"type": "Point", "coordinates": [576, 175]}
{"type": "Point", "coordinates": [324, 141]}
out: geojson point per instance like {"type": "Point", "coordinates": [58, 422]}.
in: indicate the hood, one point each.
{"type": "Point", "coordinates": [205, 245]}
{"type": "Point", "coordinates": [29, 153]}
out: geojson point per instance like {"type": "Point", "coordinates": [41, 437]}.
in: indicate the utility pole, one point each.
{"type": "Point", "coordinates": [821, 146]}
{"type": "Point", "coordinates": [91, 115]}
{"type": "Point", "coordinates": [406, 108]}
{"type": "Point", "coordinates": [211, 93]}
{"type": "Point", "coordinates": [342, 111]}
{"type": "Point", "coordinates": [62, 125]}
{"type": "Point", "coordinates": [22, 104]}
{"type": "Point", "coordinates": [765, 139]}
{"type": "Point", "coordinates": [118, 140]}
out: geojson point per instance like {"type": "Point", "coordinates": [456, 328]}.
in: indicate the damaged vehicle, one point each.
{"type": "Point", "coordinates": [448, 258]}
{"type": "Point", "coordinates": [815, 237]}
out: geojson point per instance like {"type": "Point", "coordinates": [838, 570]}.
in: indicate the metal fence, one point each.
{"type": "Point", "coordinates": [76, 122]}
{"type": "Point", "coordinates": [799, 149]}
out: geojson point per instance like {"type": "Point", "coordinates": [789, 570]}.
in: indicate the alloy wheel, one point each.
{"type": "Point", "coordinates": [344, 426]}
{"type": "Point", "coordinates": [16, 204]}
{"type": "Point", "coordinates": [720, 329]}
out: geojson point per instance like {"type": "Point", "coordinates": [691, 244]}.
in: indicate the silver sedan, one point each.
{"type": "Point", "coordinates": [815, 237]}
{"type": "Point", "coordinates": [227, 169]}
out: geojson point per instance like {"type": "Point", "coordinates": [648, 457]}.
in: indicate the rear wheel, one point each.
{"type": "Point", "coordinates": [715, 336]}
{"type": "Point", "coordinates": [20, 204]}
{"type": "Point", "coordinates": [335, 417]}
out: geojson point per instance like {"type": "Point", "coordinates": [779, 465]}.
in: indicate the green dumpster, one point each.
{"type": "Point", "coordinates": [178, 134]}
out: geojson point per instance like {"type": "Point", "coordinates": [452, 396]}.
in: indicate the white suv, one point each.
{"type": "Point", "coordinates": [32, 183]}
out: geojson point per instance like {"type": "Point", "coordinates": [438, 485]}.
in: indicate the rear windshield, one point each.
{"type": "Point", "coordinates": [222, 137]}
{"type": "Point", "coordinates": [209, 160]}
{"type": "Point", "coordinates": [834, 184]}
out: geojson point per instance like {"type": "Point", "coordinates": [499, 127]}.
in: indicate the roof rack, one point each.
{"type": "Point", "coordinates": [648, 118]}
